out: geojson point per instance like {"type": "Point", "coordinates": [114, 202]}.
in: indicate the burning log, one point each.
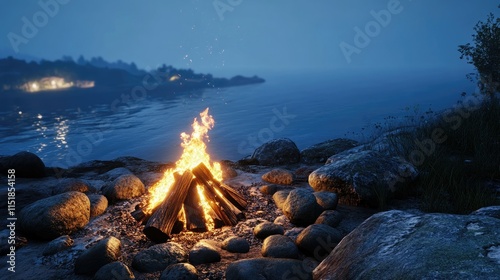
{"type": "Point", "coordinates": [161, 223]}
{"type": "Point", "coordinates": [226, 211]}
{"type": "Point", "coordinates": [182, 206]}
{"type": "Point", "coordinates": [195, 218]}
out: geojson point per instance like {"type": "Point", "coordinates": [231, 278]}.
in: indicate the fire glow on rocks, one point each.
{"type": "Point", "coordinates": [193, 184]}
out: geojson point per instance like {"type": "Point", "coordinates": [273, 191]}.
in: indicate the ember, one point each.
{"type": "Point", "coordinates": [191, 195]}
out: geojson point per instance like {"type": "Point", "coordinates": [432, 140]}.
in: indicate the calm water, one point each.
{"type": "Point", "coordinates": [307, 108]}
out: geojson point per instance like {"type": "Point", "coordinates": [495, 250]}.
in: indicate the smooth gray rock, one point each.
{"type": "Point", "coordinates": [54, 216]}
{"type": "Point", "coordinates": [26, 165]}
{"type": "Point", "coordinates": [268, 269]}
{"type": "Point", "coordinates": [266, 229]}
{"type": "Point", "coordinates": [327, 200]}
{"type": "Point", "coordinates": [179, 271]}
{"type": "Point", "coordinates": [330, 218]}
{"type": "Point", "coordinates": [124, 187]}
{"type": "Point", "coordinates": [103, 252]}
{"type": "Point", "coordinates": [301, 207]}
{"type": "Point", "coordinates": [279, 176]}
{"type": "Point", "coordinates": [403, 245]}
{"type": "Point", "coordinates": [364, 177]}
{"type": "Point", "coordinates": [236, 244]}
{"type": "Point", "coordinates": [59, 244]}
{"type": "Point", "coordinates": [204, 252]}
{"type": "Point", "coordinates": [280, 197]}
{"type": "Point", "coordinates": [279, 246]}
{"type": "Point", "coordinates": [115, 270]}
{"type": "Point", "coordinates": [277, 152]}
{"type": "Point", "coordinates": [158, 257]}
{"type": "Point", "coordinates": [318, 240]}
{"type": "Point", "coordinates": [491, 211]}
{"type": "Point", "coordinates": [319, 153]}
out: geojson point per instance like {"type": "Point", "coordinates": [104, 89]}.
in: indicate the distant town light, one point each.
{"type": "Point", "coordinates": [54, 83]}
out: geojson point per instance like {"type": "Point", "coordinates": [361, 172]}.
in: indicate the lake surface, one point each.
{"type": "Point", "coordinates": [306, 107]}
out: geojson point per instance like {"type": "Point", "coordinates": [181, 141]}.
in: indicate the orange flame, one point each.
{"type": "Point", "coordinates": [193, 154]}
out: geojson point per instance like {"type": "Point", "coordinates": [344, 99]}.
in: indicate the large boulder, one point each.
{"type": "Point", "coordinates": [268, 269]}
{"type": "Point", "coordinates": [319, 153]}
{"type": "Point", "coordinates": [54, 216]}
{"type": "Point", "coordinates": [403, 245]}
{"type": "Point", "coordinates": [277, 152]}
{"type": "Point", "coordinates": [364, 177]}
{"type": "Point", "coordinates": [301, 207]}
{"type": "Point", "coordinates": [124, 187]}
{"type": "Point", "coordinates": [103, 252]}
{"type": "Point", "coordinates": [26, 165]}
{"type": "Point", "coordinates": [158, 257]}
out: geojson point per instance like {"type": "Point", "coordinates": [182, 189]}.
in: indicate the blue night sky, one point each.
{"type": "Point", "coordinates": [227, 37]}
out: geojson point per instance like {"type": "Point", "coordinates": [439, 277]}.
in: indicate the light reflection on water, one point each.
{"type": "Point", "coordinates": [324, 108]}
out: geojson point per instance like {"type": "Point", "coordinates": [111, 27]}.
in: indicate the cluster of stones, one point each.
{"type": "Point", "coordinates": [387, 245]}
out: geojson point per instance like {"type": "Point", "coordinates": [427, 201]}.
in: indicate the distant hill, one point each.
{"type": "Point", "coordinates": [16, 75]}
{"type": "Point", "coordinates": [54, 85]}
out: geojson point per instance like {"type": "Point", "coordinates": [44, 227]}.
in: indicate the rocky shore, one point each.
{"type": "Point", "coordinates": [311, 214]}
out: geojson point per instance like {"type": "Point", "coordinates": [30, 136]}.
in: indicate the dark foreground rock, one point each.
{"type": "Point", "coordinates": [364, 177]}
{"type": "Point", "coordinates": [59, 244]}
{"type": "Point", "coordinates": [158, 257]}
{"type": "Point", "coordinates": [318, 240]}
{"type": "Point", "coordinates": [320, 152]}
{"type": "Point", "coordinates": [301, 207]}
{"type": "Point", "coordinates": [491, 211]}
{"type": "Point", "coordinates": [279, 246]}
{"type": "Point", "coordinates": [25, 164]}
{"type": "Point", "coordinates": [403, 245]}
{"type": "Point", "coordinates": [277, 152]}
{"type": "Point", "coordinates": [268, 269]}
{"type": "Point", "coordinates": [54, 216]}
{"type": "Point", "coordinates": [103, 252]}
{"type": "Point", "coordinates": [178, 271]}
{"type": "Point", "coordinates": [236, 245]}
{"type": "Point", "coordinates": [204, 252]}
{"type": "Point", "coordinates": [266, 229]}
{"type": "Point", "coordinates": [114, 270]}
